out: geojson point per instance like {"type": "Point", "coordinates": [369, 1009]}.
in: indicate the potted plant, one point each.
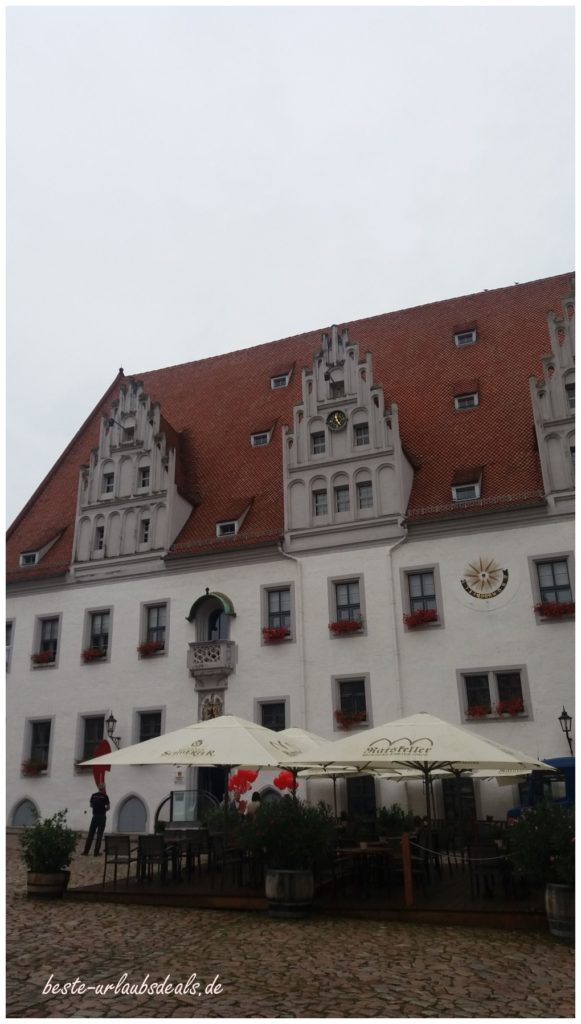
{"type": "Point", "coordinates": [347, 720]}
{"type": "Point", "coordinates": [422, 617]}
{"type": "Point", "coordinates": [555, 609]}
{"type": "Point", "coordinates": [93, 654]}
{"type": "Point", "coordinates": [478, 710]}
{"type": "Point", "coordinates": [150, 647]}
{"type": "Point", "coordinates": [43, 657]}
{"type": "Point", "coordinates": [345, 627]}
{"type": "Point", "coordinates": [512, 707]}
{"type": "Point", "coordinates": [542, 851]}
{"type": "Point", "coordinates": [274, 634]}
{"type": "Point", "coordinates": [295, 839]}
{"type": "Point", "coordinates": [33, 766]}
{"type": "Point", "coordinates": [47, 851]}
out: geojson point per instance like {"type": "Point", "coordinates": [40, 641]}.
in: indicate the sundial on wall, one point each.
{"type": "Point", "coordinates": [484, 578]}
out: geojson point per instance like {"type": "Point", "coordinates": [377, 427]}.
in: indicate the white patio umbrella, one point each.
{"type": "Point", "coordinates": [422, 743]}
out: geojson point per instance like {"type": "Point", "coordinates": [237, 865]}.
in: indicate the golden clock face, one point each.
{"type": "Point", "coordinates": [336, 420]}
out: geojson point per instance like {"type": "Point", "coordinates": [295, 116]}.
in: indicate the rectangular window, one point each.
{"type": "Point", "coordinates": [108, 483]}
{"type": "Point", "coordinates": [320, 503]}
{"type": "Point", "coordinates": [40, 743]}
{"type": "Point", "coordinates": [352, 697]}
{"type": "Point", "coordinates": [422, 591]}
{"type": "Point", "coordinates": [570, 395]}
{"type": "Point", "coordinates": [144, 476]}
{"type": "Point", "coordinates": [100, 623]}
{"type": "Point", "coordinates": [336, 388]}
{"type": "Point", "coordinates": [144, 528]}
{"type": "Point", "coordinates": [258, 440]}
{"type": "Point", "coordinates": [99, 538]}
{"type": "Point", "coordinates": [364, 495]}
{"type": "Point", "coordinates": [128, 434]}
{"type": "Point", "coordinates": [342, 499]}
{"type": "Point", "coordinates": [477, 694]}
{"type": "Point", "coordinates": [572, 454]}
{"type": "Point", "coordinates": [29, 558]}
{"type": "Point", "coordinates": [226, 529]}
{"type": "Point", "coordinates": [273, 715]}
{"type": "Point", "coordinates": [281, 381]}
{"type": "Point", "coordinates": [93, 729]}
{"type": "Point", "coordinates": [9, 637]}
{"type": "Point", "coordinates": [49, 631]}
{"type": "Point", "coordinates": [495, 693]}
{"type": "Point", "coordinates": [156, 623]}
{"type": "Point", "coordinates": [348, 601]}
{"type": "Point", "coordinates": [361, 434]}
{"type": "Point", "coordinates": [464, 338]}
{"type": "Point", "coordinates": [466, 492]}
{"type": "Point", "coordinates": [149, 725]}
{"type": "Point", "coordinates": [318, 443]}
{"type": "Point", "coordinates": [279, 608]}
{"type": "Point", "coordinates": [554, 582]}
{"type": "Point", "coordinates": [466, 401]}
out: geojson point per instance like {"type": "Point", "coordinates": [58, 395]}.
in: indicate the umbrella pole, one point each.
{"type": "Point", "coordinates": [426, 772]}
{"type": "Point", "coordinates": [335, 794]}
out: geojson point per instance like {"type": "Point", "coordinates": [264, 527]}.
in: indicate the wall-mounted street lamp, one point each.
{"type": "Point", "coordinates": [566, 722]}
{"type": "Point", "coordinates": [111, 725]}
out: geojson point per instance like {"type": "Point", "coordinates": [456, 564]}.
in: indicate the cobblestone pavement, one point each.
{"type": "Point", "coordinates": [314, 968]}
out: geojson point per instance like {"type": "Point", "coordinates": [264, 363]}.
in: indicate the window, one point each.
{"type": "Point", "coordinates": [422, 591]}
{"type": "Point", "coordinates": [352, 697]}
{"type": "Point", "coordinates": [279, 608]}
{"type": "Point", "coordinates": [144, 530]}
{"type": "Point", "coordinates": [144, 476]}
{"type": "Point", "coordinates": [554, 583]}
{"type": "Point", "coordinates": [273, 714]}
{"type": "Point", "coordinates": [463, 338]}
{"type": "Point", "coordinates": [29, 558]}
{"type": "Point", "coordinates": [49, 631]}
{"type": "Point", "coordinates": [336, 388]}
{"type": "Point", "coordinates": [365, 495]}
{"type": "Point", "coordinates": [318, 443]}
{"type": "Point", "coordinates": [497, 693]}
{"type": "Point", "coordinates": [108, 483]}
{"type": "Point", "coordinates": [570, 395]}
{"type": "Point", "coordinates": [347, 601]}
{"type": "Point", "coordinates": [99, 630]}
{"type": "Point", "coordinates": [280, 381]}
{"type": "Point", "coordinates": [466, 492]}
{"type": "Point", "coordinates": [320, 503]}
{"type": "Point", "coordinates": [342, 499]}
{"type": "Point", "coordinates": [468, 401]}
{"type": "Point", "coordinates": [226, 529]}
{"type": "Point", "coordinates": [155, 623]}
{"type": "Point", "coordinates": [93, 729]}
{"type": "Point", "coordinates": [257, 440]}
{"type": "Point", "coordinates": [572, 454]}
{"type": "Point", "coordinates": [361, 434]}
{"type": "Point", "coordinates": [149, 725]}
{"type": "Point", "coordinates": [40, 743]}
{"type": "Point", "coordinates": [128, 434]}
{"type": "Point", "coordinates": [99, 538]}
{"type": "Point", "coordinates": [9, 638]}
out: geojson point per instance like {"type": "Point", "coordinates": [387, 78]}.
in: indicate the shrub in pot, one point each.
{"type": "Point", "coordinates": [542, 852]}
{"type": "Point", "coordinates": [47, 850]}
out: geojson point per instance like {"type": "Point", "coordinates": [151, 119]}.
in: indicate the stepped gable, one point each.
{"type": "Point", "coordinates": [215, 404]}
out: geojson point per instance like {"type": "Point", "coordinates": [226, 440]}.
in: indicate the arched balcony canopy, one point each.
{"type": "Point", "coordinates": [225, 602]}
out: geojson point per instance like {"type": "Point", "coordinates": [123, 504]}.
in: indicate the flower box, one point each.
{"type": "Point", "coordinates": [555, 609]}
{"type": "Point", "coordinates": [347, 720]}
{"type": "Point", "coordinates": [274, 634]}
{"type": "Point", "coordinates": [346, 626]}
{"type": "Point", "coordinates": [510, 707]}
{"type": "Point", "coordinates": [43, 657]}
{"type": "Point", "coordinates": [31, 767]}
{"type": "Point", "coordinates": [150, 647]}
{"type": "Point", "coordinates": [93, 654]}
{"type": "Point", "coordinates": [479, 711]}
{"type": "Point", "coordinates": [422, 617]}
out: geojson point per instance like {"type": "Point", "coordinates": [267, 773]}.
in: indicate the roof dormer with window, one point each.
{"type": "Point", "coordinates": [129, 507]}
{"type": "Point", "coordinates": [553, 400]}
{"type": "Point", "coordinates": [346, 478]}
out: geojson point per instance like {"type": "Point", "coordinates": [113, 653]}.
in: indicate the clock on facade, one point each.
{"type": "Point", "coordinates": [484, 578]}
{"type": "Point", "coordinates": [336, 420]}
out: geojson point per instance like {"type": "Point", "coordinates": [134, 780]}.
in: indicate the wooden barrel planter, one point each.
{"type": "Point", "coordinates": [560, 907]}
{"type": "Point", "coordinates": [41, 885]}
{"type": "Point", "coordinates": [289, 893]}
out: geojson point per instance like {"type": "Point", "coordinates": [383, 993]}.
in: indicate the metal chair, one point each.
{"type": "Point", "coordinates": [118, 851]}
{"type": "Point", "coordinates": [152, 852]}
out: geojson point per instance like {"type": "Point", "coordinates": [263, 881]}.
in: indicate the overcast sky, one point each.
{"type": "Point", "coordinates": [189, 181]}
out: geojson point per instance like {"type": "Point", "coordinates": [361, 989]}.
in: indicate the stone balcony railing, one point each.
{"type": "Point", "coordinates": [210, 662]}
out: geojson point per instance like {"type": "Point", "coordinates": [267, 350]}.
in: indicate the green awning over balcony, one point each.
{"type": "Point", "coordinates": [227, 606]}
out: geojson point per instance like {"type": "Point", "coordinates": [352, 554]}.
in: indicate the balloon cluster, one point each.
{"type": "Point", "coordinates": [286, 780]}
{"type": "Point", "coordinates": [241, 782]}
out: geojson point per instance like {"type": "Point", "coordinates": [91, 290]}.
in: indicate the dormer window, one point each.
{"type": "Point", "coordinates": [463, 338]}
{"type": "Point", "coordinates": [228, 529]}
{"type": "Point", "coordinates": [466, 492]}
{"type": "Point", "coordinates": [280, 381]}
{"type": "Point", "coordinates": [29, 558]}
{"type": "Point", "coordinates": [259, 440]}
{"type": "Point", "coordinates": [468, 401]}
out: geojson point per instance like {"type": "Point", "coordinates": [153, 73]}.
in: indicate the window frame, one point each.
{"type": "Point", "coordinates": [464, 338]}
{"type": "Point", "coordinates": [141, 470]}
{"type": "Point", "coordinates": [332, 583]}
{"type": "Point", "coordinates": [88, 629]}
{"type": "Point", "coordinates": [28, 737]}
{"type": "Point", "coordinates": [10, 623]}
{"type": "Point", "coordinates": [85, 753]}
{"type": "Point", "coordinates": [25, 556]}
{"type": "Point", "coordinates": [284, 377]}
{"type": "Point", "coordinates": [136, 720]}
{"type": "Point", "coordinates": [570, 393]}
{"type": "Point", "coordinates": [255, 443]}
{"type": "Point", "coordinates": [261, 702]}
{"type": "Point", "coordinates": [534, 562]}
{"type": "Point", "coordinates": [318, 494]}
{"type": "Point", "coordinates": [458, 399]}
{"type": "Point", "coordinates": [344, 489]}
{"type": "Point", "coordinates": [476, 484]}
{"type": "Point", "coordinates": [358, 427]}
{"type": "Point", "coordinates": [37, 639]}
{"type": "Point", "coordinates": [139, 716]}
{"type": "Point", "coordinates": [265, 590]}
{"type": "Point", "coordinates": [411, 570]}
{"type": "Point", "coordinates": [318, 434]}
{"type": "Point", "coordinates": [221, 533]}
{"type": "Point", "coordinates": [144, 610]}
{"type": "Point", "coordinates": [105, 490]}
{"type": "Point", "coordinates": [347, 677]}
{"type": "Point", "coordinates": [492, 673]}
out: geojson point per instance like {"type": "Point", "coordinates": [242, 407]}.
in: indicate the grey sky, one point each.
{"type": "Point", "coordinates": [188, 181]}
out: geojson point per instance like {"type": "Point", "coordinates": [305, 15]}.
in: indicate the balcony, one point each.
{"type": "Point", "coordinates": [210, 662]}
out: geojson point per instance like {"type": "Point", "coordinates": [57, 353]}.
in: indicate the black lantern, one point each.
{"type": "Point", "coordinates": [566, 722]}
{"type": "Point", "coordinates": [111, 725]}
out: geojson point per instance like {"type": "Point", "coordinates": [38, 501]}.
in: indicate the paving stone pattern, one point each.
{"type": "Point", "coordinates": [315, 968]}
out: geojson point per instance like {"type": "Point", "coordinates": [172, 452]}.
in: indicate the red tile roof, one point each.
{"type": "Point", "coordinates": [215, 404]}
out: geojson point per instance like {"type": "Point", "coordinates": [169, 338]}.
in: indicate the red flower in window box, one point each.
{"type": "Point", "coordinates": [43, 657]}
{"type": "Point", "coordinates": [150, 647]}
{"type": "Point", "coordinates": [420, 618]}
{"type": "Point", "coordinates": [511, 707]}
{"type": "Point", "coordinates": [274, 634]}
{"type": "Point", "coordinates": [32, 767]}
{"type": "Point", "coordinates": [349, 719]}
{"type": "Point", "coordinates": [478, 711]}
{"type": "Point", "coordinates": [93, 654]}
{"type": "Point", "coordinates": [346, 626]}
{"type": "Point", "coordinates": [285, 780]}
{"type": "Point", "coordinates": [555, 609]}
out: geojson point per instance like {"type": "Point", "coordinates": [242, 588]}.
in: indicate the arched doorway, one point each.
{"type": "Point", "coordinates": [132, 815]}
{"type": "Point", "coordinates": [25, 813]}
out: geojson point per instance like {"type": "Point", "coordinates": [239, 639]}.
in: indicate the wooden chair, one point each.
{"type": "Point", "coordinates": [118, 851]}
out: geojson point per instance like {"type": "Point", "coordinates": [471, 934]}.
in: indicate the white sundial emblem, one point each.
{"type": "Point", "coordinates": [484, 578]}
